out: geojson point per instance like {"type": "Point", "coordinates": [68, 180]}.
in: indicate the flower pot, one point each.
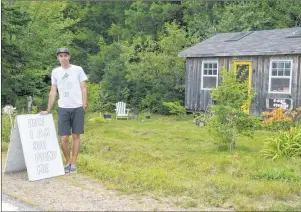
{"type": "Point", "coordinates": [107, 116]}
{"type": "Point", "coordinates": [200, 123]}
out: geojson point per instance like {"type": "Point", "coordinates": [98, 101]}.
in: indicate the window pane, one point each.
{"type": "Point", "coordinates": [209, 82]}
{"type": "Point", "coordinates": [205, 65]}
{"type": "Point", "coordinates": [280, 65]}
{"type": "Point", "coordinates": [287, 73]}
{"type": "Point", "coordinates": [215, 72]}
{"type": "Point", "coordinates": [288, 65]}
{"type": "Point", "coordinates": [274, 72]}
{"type": "Point", "coordinates": [280, 85]}
{"type": "Point", "coordinates": [214, 65]}
{"type": "Point", "coordinates": [210, 72]}
{"type": "Point", "coordinates": [210, 65]}
{"type": "Point", "coordinates": [205, 72]}
{"type": "Point", "coordinates": [274, 65]}
{"type": "Point", "coordinates": [280, 73]}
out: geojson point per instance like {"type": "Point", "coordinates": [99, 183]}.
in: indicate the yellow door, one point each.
{"type": "Point", "coordinates": [244, 70]}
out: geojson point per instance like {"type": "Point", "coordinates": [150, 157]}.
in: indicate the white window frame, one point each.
{"type": "Point", "coordinates": [202, 76]}
{"type": "Point", "coordinates": [281, 77]}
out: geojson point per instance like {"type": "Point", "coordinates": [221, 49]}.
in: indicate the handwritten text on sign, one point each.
{"type": "Point", "coordinates": [39, 135]}
{"type": "Point", "coordinates": [280, 103]}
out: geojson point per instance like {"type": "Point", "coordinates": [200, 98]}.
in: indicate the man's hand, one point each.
{"type": "Point", "coordinates": [85, 106]}
{"type": "Point", "coordinates": [44, 112]}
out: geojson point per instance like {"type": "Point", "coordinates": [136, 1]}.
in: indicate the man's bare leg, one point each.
{"type": "Point", "coordinates": [65, 148]}
{"type": "Point", "coordinates": [75, 147]}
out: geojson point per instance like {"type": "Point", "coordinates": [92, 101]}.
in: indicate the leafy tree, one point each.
{"type": "Point", "coordinates": [229, 120]}
{"type": "Point", "coordinates": [13, 56]}
{"type": "Point", "coordinates": [257, 15]}
{"type": "Point", "coordinates": [95, 23]}
{"type": "Point", "coordinates": [47, 31]}
{"type": "Point", "coordinates": [157, 74]}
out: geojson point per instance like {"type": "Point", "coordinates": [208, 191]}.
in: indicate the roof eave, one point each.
{"type": "Point", "coordinates": [226, 54]}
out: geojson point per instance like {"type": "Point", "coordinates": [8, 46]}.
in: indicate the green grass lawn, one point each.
{"type": "Point", "coordinates": [175, 158]}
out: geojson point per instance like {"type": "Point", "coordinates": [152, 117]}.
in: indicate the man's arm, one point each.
{"type": "Point", "coordinates": [84, 94]}
{"type": "Point", "coordinates": [52, 95]}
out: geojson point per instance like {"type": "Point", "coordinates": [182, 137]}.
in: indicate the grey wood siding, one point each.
{"type": "Point", "coordinates": [298, 100]}
{"type": "Point", "coordinates": [197, 99]}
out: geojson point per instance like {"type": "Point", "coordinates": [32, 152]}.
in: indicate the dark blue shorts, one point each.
{"type": "Point", "coordinates": [71, 119]}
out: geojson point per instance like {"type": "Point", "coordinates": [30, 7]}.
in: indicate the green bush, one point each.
{"type": "Point", "coordinates": [34, 110]}
{"type": "Point", "coordinates": [227, 118]}
{"type": "Point", "coordinates": [288, 144]}
{"type": "Point", "coordinates": [246, 124]}
{"type": "Point", "coordinates": [98, 119]}
{"type": "Point", "coordinates": [6, 128]}
{"type": "Point", "coordinates": [21, 103]}
{"type": "Point", "coordinates": [224, 133]}
{"type": "Point", "coordinates": [93, 92]}
{"type": "Point", "coordinates": [173, 108]}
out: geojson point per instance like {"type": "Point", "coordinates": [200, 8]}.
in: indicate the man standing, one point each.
{"type": "Point", "coordinates": [70, 80]}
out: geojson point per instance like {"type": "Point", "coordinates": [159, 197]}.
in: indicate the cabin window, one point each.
{"type": "Point", "coordinates": [280, 76]}
{"type": "Point", "coordinates": [209, 75]}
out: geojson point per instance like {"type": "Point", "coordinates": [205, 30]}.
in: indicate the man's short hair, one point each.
{"type": "Point", "coordinates": [62, 50]}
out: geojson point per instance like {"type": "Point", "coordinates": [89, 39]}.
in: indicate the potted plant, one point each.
{"type": "Point", "coordinates": [107, 116]}
{"type": "Point", "coordinates": [147, 114]}
{"type": "Point", "coordinates": [136, 114]}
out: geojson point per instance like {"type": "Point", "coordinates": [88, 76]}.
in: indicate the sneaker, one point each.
{"type": "Point", "coordinates": [73, 168]}
{"type": "Point", "coordinates": [67, 168]}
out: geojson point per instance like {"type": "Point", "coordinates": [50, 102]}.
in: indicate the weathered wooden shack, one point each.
{"type": "Point", "coordinates": [271, 59]}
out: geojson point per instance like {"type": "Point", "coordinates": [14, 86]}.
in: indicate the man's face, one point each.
{"type": "Point", "coordinates": [63, 58]}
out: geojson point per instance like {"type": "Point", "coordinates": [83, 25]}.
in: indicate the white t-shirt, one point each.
{"type": "Point", "coordinates": [68, 84]}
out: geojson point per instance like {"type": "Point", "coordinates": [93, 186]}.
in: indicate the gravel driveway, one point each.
{"type": "Point", "coordinates": [74, 192]}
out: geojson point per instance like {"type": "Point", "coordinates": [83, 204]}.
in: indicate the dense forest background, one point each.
{"type": "Point", "coordinates": [129, 50]}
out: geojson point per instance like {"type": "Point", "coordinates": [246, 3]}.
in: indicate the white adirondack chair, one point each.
{"type": "Point", "coordinates": [121, 111]}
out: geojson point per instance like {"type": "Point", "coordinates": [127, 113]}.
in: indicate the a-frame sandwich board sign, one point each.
{"type": "Point", "coordinates": [34, 146]}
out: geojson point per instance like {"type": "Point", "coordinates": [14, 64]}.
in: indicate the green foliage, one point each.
{"type": "Point", "coordinates": [13, 56]}
{"type": "Point", "coordinates": [288, 144]}
{"type": "Point", "coordinates": [98, 119]}
{"type": "Point", "coordinates": [33, 32]}
{"type": "Point", "coordinates": [281, 174]}
{"type": "Point", "coordinates": [280, 119]}
{"type": "Point", "coordinates": [34, 110]}
{"type": "Point", "coordinates": [5, 128]}
{"type": "Point", "coordinates": [47, 30]}
{"type": "Point", "coordinates": [246, 124]}
{"type": "Point", "coordinates": [156, 73]}
{"type": "Point", "coordinates": [93, 92]}
{"type": "Point", "coordinates": [173, 108]}
{"type": "Point", "coordinates": [228, 120]}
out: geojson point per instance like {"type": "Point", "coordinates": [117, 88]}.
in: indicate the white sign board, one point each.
{"type": "Point", "coordinates": [34, 140]}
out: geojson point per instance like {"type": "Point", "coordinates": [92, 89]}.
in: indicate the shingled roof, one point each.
{"type": "Point", "coordinates": [265, 42]}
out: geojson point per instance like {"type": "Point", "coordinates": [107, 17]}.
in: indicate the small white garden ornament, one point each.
{"type": "Point", "coordinates": [9, 109]}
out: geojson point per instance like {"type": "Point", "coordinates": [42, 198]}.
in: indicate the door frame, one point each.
{"type": "Point", "coordinates": [247, 106]}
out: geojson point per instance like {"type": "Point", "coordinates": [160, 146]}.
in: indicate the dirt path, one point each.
{"type": "Point", "coordinates": [74, 193]}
